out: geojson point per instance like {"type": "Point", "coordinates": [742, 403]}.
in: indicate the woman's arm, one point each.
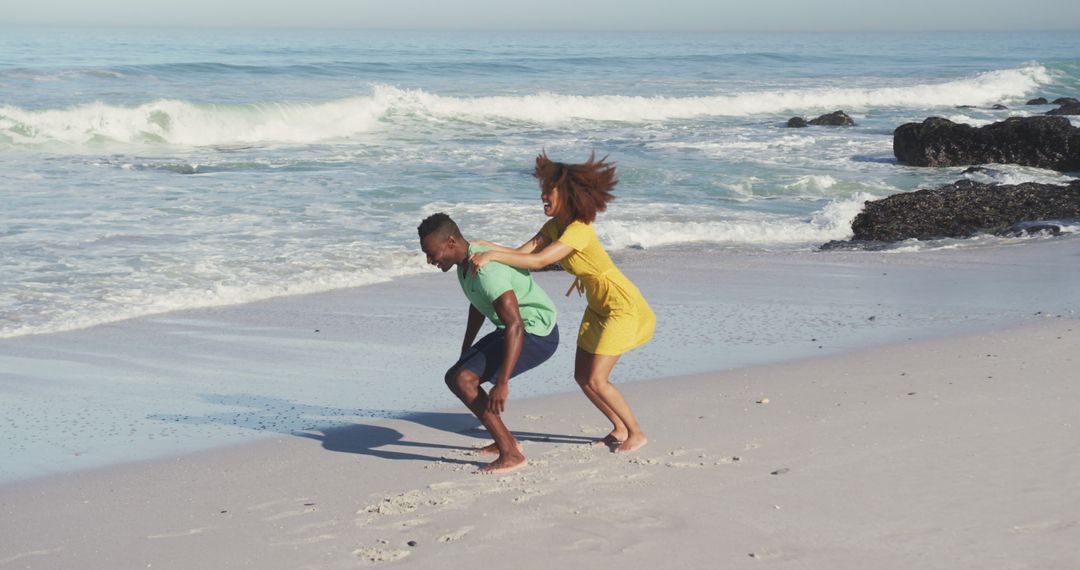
{"type": "Point", "coordinates": [537, 243]}
{"type": "Point", "coordinates": [490, 245]}
{"type": "Point", "coordinates": [552, 253]}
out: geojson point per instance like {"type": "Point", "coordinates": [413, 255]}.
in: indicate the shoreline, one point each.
{"type": "Point", "coordinates": [444, 418]}
{"type": "Point", "coordinates": [177, 383]}
{"type": "Point", "coordinates": [942, 453]}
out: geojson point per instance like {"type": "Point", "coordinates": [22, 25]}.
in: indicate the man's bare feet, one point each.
{"type": "Point", "coordinates": [503, 465]}
{"type": "Point", "coordinates": [610, 440]}
{"type": "Point", "coordinates": [493, 449]}
{"type": "Point", "coordinates": [632, 443]}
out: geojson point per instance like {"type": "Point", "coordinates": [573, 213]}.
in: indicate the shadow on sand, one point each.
{"type": "Point", "coordinates": [339, 430]}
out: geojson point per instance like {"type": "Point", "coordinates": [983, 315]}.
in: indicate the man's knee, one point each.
{"type": "Point", "coordinates": [460, 378]}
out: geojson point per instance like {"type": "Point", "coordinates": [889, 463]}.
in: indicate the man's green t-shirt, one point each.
{"type": "Point", "coordinates": [494, 279]}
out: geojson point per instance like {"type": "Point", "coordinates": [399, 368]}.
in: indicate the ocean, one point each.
{"type": "Point", "coordinates": [150, 170]}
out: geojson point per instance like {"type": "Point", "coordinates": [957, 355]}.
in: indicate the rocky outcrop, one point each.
{"type": "Point", "coordinates": [1041, 141]}
{"type": "Point", "coordinates": [834, 119]}
{"type": "Point", "coordinates": [1038, 101]}
{"type": "Point", "coordinates": [1066, 109]}
{"type": "Point", "coordinates": [1066, 101]}
{"type": "Point", "coordinates": [966, 208]}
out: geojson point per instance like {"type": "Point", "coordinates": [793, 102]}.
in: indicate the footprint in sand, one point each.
{"type": "Point", "coordinates": [645, 461]}
{"type": "Point", "coordinates": [456, 535]}
{"type": "Point", "coordinates": [412, 523]}
{"type": "Point", "coordinates": [685, 464]}
{"type": "Point", "coordinates": [406, 502]}
{"type": "Point", "coordinates": [372, 556]}
{"type": "Point", "coordinates": [528, 494]}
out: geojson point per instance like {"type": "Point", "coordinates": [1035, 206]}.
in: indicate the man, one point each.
{"type": "Point", "coordinates": [525, 332]}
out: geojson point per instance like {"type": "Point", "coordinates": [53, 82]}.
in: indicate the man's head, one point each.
{"type": "Point", "coordinates": [442, 242]}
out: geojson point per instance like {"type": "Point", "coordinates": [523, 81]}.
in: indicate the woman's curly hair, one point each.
{"type": "Point", "coordinates": [585, 188]}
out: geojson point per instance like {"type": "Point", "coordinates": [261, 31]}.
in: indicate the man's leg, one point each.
{"type": "Point", "coordinates": [465, 384]}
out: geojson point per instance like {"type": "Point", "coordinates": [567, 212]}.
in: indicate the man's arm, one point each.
{"type": "Point", "coordinates": [472, 326]}
{"type": "Point", "coordinates": [506, 307]}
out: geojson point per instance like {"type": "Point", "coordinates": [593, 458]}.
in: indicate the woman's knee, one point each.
{"type": "Point", "coordinates": [581, 377]}
{"type": "Point", "coordinates": [592, 382]}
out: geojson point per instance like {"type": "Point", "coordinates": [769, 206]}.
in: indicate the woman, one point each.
{"type": "Point", "coordinates": [617, 318]}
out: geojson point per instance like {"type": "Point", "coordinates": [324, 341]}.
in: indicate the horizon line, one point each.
{"type": "Point", "coordinates": [538, 30]}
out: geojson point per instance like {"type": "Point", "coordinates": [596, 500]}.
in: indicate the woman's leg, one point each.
{"type": "Point", "coordinates": [591, 372]}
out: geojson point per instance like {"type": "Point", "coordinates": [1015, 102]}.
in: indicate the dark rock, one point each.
{"type": "Point", "coordinates": [1066, 109]}
{"type": "Point", "coordinates": [854, 245]}
{"type": "Point", "coordinates": [966, 107]}
{"type": "Point", "coordinates": [796, 123]}
{"type": "Point", "coordinates": [999, 107]}
{"type": "Point", "coordinates": [1066, 101]}
{"type": "Point", "coordinates": [1043, 142]}
{"type": "Point", "coordinates": [1038, 101]}
{"type": "Point", "coordinates": [834, 119]}
{"type": "Point", "coordinates": [963, 209]}
{"type": "Point", "coordinates": [1029, 229]}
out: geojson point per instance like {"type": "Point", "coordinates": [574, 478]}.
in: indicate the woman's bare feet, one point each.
{"type": "Point", "coordinates": [504, 464]}
{"type": "Point", "coordinates": [632, 443]}
{"type": "Point", "coordinates": [610, 440]}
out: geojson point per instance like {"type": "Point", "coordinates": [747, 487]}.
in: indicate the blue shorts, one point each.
{"type": "Point", "coordinates": [485, 357]}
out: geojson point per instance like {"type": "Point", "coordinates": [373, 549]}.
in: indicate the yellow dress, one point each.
{"type": "Point", "coordinates": [617, 318]}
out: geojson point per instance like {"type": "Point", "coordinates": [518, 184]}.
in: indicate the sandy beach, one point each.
{"type": "Point", "coordinates": [957, 453]}
{"type": "Point", "coordinates": [939, 434]}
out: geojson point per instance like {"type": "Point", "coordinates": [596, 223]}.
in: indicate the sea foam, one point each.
{"type": "Point", "coordinates": [195, 124]}
{"type": "Point", "coordinates": [832, 222]}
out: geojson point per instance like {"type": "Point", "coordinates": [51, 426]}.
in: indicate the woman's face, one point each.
{"type": "Point", "coordinates": [552, 201]}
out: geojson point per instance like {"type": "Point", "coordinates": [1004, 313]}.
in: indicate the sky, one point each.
{"type": "Point", "coordinates": [557, 15]}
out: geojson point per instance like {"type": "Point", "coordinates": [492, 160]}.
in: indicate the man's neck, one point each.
{"type": "Point", "coordinates": [464, 261]}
